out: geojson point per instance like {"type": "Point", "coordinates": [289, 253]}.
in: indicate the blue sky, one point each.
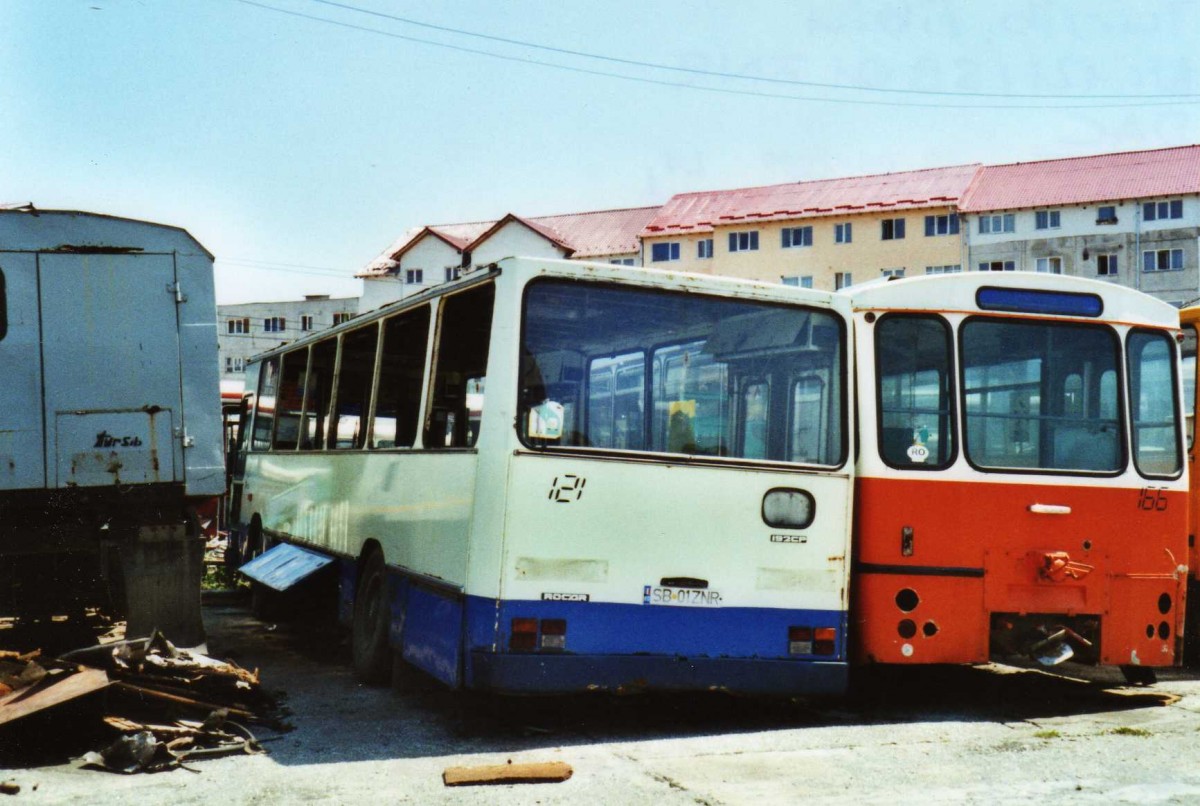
{"type": "Point", "coordinates": [296, 150]}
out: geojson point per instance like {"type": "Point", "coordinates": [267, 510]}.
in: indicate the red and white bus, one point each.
{"type": "Point", "coordinates": [1020, 479]}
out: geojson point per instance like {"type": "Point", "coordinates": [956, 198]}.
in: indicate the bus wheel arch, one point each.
{"type": "Point", "coordinates": [372, 622]}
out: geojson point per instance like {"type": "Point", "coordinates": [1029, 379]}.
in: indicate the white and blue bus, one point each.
{"type": "Point", "coordinates": [556, 476]}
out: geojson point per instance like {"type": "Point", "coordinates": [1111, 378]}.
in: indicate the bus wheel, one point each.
{"type": "Point", "coordinates": [1139, 675]}
{"type": "Point", "coordinates": [1191, 625]}
{"type": "Point", "coordinates": [372, 655]}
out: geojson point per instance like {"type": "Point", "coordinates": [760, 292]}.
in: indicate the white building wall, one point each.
{"type": "Point", "coordinates": [1080, 238]}
{"type": "Point", "coordinates": [511, 240]}
{"type": "Point", "coordinates": [243, 346]}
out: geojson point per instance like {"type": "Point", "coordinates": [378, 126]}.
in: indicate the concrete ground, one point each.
{"type": "Point", "coordinates": [938, 735]}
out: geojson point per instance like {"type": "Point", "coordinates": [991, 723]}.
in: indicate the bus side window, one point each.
{"type": "Point", "coordinates": [3, 308]}
{"type": "Point", "coordinates": [357, 368]}
{"type": "Point", "coordinates": [319, 380]}
{"type": "Point", "coordinates": [289, 400]}
{"type": "Point", "coordinates": [401, 373]}
{"type": "Point", "coordinates": [456, 404]}
{"type": "Point", "coordinates": [264, 415]}
{"type": "Point", "coordinates": [912, 365]}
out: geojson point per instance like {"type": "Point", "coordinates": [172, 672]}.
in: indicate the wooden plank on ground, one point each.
{"type": "Point", "coordinates": [26, 701]}
{"type": "Point", "coordinates": [540, 772]}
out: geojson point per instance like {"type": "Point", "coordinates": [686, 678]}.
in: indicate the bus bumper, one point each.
{"type": "Point", "coordinates": [540, 673]}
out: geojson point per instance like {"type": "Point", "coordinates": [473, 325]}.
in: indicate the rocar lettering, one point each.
{"type": "Point", "coordinates": [566, 597]}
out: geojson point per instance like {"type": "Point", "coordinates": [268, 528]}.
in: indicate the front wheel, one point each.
{"type": "Point", "coordinates": [372, 655]}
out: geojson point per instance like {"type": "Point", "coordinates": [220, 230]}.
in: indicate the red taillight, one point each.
{"type": "Point", "coordinates": [810, 641]}
{"type": "Point", "coordinates": [825, 642]}
{"type": "Point", "coordinates": [554, 633]}
{"type": "Point", "coordinates": [524, 634]}
{"type": "Point", "coordinates": [800, 640]}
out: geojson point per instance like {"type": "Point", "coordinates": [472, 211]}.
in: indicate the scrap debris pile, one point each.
{"type": "Point", "coordinates": [168, 706]}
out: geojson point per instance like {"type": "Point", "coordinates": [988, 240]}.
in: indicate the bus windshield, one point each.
{"type": "Point", "coordinates": [1041, 396]}
{"type": "Point", "coordinates": [632, 369]}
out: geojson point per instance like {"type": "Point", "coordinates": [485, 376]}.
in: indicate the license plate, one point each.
{"type": "Point", "coordinates": [680, 597]}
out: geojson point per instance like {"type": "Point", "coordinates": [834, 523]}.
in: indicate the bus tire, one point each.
{"type": "Point", "coordinates": [1139, 675]}
{"type": "Point", "coordinates": [1191, 625]}
{"type": "Point", "coordinates": [372, 655]}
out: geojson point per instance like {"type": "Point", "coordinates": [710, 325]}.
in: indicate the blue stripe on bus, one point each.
{"type": "Point", "coordinates": [621, 646]}
{"type": "Point", "coordinates": [463, 641]}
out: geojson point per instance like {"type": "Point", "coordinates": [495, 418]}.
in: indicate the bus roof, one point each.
{"type": "Point", "coordinates": [1066, 297]}
{"type": "Point", "coordinates": [530, 268]}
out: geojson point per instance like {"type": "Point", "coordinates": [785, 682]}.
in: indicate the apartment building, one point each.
{"type": "Point", "coordinates": [246, 329]}
{"type": "Point", "coordinates": [434, 254]}
{"type": "Point", "coordinates": [1131, 218]}
{"type": "Point", "coordinates": [823, 234]}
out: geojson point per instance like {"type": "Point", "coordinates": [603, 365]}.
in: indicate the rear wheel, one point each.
{"type": "Point", "coordinates": [1191, 625]}
{"type": "Point", "coordinates": [1139, 675]}
{"type": "Point", "coordinates": [372, 655]}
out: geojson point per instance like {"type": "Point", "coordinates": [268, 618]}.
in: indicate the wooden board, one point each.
{"type": "Point", "coordinates": [62, 688]}
{"type": "Point", "coordinates": [544, 772]}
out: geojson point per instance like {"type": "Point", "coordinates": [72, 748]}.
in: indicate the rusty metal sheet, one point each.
{"type": "Point", "coordinates": [284, 565]}
{"type": "Point", "coordinates": [56, 690]}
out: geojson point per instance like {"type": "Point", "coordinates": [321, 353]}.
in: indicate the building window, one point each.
{"type": "Point", "coordinates": [1162, 260]}
{"type": "Point", "coordinates": [1106, 264]}
{"type": "Point", "coordinates": [235, 364]}
{"type": "Point", "coordinates": [799, 281]}
{"type": "Point", "coordinates": [995, 224]}
{"type": "Point", "coordinates": [892, 272]}
{"type": "Point", "coordinates": [842, 280]}
{"type": "Point", "coordinates": [941, 225]}
{"type": "Point", "coordinates": [842, 233]}
{"type": "Point", "coordinates": [797, 236]}
{"type": "Point", "coordinates": [662, 252]}
{"type": "Point", "coordinates": [998, 265]}
{"type": "Point", "coordinates": [306, 322]}
{"type": "Point", "coordinates": [453, 273]}
{"type": "Point", "coordinates": [274, 324]}
{"type": "Point", "coordinates": [414, 276]}
{"type": "Point", "coordinates": [704, 248]}
{"type": "Point", "coordinates": [1157, 211]}
{"type": "Point", "coordinates": [743, 241]}
{"type": "Point", "coordinates": [893, 229]}
{"type": "Point", "coordinates": [618, 261]}
{"type": "Point", "coordinates": [342, 316]}
{"type": "Point", "coordinates": [1106, 215]}
{"type": "Point", "coordinates": [1049, 265]}
{"type": "Point", "coordinates": [953, 269]}
{"type": "Point", "coordinates": [239, 326]}
{"type": "Point", "coordinates": [1047, 219]}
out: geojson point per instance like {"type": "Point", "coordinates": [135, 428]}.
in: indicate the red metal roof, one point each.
{"type": "Point", "coordinates": [603, 232]}
{"type": "Point", "coordinates": [591, 234]}
{"type": "Point", "coordinates": [700, 212]}
{"type": "Point", "coordinates": [1079, 180]}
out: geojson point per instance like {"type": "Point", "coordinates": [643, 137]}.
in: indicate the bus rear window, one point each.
{"type": "Point", "coordinates": [630, 369]}
{"type": "Point", "coordinates": [1041, 396]}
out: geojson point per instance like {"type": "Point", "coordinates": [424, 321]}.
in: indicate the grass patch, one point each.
{"type": "Point", "coordinates": [219, 577]}
{"type": "Point", "coordinates": [1047, 734]}
{"type": "Point", "coordinates": [1123, 731]}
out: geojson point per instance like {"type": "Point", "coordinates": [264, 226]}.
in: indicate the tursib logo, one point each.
{"type": "Point", "coordinates": [107, 440]}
